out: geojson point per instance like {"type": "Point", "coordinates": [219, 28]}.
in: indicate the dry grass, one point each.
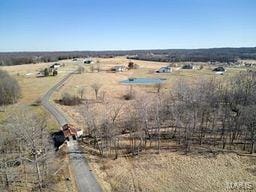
{"type": "Point", "coordinates": [164, 172]}
{"type": "Point", "coordinates": [114, 91]}
{"type": "Point", "coordinates": [175, 172]}
{"type": "Point", "coordinates": [32, 88]}
{"type": "Point", "coordinates": [110, 81]}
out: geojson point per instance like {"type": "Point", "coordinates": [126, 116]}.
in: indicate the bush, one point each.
{"type": "Point", "coordinates": [130, 94]}
{"type": "Point", "coordinates": [68, 99]}
{"type": "Point", "coordinates": [46, 72]}
{"type": "Point", "coordinates": [37, 102]}
{"type": "Point", "coordinates": [55, 72]}
{"type": "Point", "coordinates": [9, 89]}
{"type": "Point", "coordinates": [128, 97]}
{"type": "Point", "coordinates": [132, 65]}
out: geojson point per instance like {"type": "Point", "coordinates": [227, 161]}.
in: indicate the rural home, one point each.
{"type": "Point", "coordinates": [132, 57]}
{"type": "Point", "coordinates": [69, 130]}
{"type": "Point", "coordinates": [164, 70]}
{"type": "Point", "coordinates": [118, 68]}
{"type": "Point", "coordinates": [55, 66]}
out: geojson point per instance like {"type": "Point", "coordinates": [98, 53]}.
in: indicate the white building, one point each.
{"type": "Point", "coordinates": [119, 68]}
{"type": "Point", "coordinates": [164, 70]}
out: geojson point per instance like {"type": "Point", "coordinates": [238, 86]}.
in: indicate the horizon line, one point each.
{"type": "Point", "coordinates": [113, 50]}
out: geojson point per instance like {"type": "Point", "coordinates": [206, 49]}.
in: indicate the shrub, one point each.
{"type": "Point", "coordinates": [132, 65]}
{"type": "Point", "coordinates": [55, 72]}
{"type": "Point", "coordinates": [9, 89]}
{"type": "Point", "coordinates": [68, 99]}
{"type": "Point", "coordinates": [37, 102]}
{"type": "Point", "coordinates": [201, 67]}
{"type": "Point", "coordinates": [46, 72]}
{"type": "Point", "coordinates": [130, 94]}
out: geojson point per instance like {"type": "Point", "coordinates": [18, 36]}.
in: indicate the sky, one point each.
{"type": "Point", "coordinates": [69, 25]}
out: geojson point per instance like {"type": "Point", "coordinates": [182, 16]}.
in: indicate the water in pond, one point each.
{"type": "Point", "coordinates": [142, 81]}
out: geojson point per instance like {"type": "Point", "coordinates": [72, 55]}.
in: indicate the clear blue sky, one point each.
{"type": "Point", "coordinates": [51, 25]}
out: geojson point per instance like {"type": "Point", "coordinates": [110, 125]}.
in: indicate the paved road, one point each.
{"type": "Point", "coordinates": [85, 179]}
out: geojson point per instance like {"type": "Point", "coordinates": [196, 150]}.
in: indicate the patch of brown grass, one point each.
{"type": "Point", "coordinates": [176, 172]}
{"type": "Point", "coordinates": [33, 88]}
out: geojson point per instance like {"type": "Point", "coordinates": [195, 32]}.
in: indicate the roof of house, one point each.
{"type": "Point", "coordinates": [69, 129]}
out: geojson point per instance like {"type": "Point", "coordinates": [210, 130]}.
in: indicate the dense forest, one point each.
{"type": "Point", "coordinates": [168, 55]}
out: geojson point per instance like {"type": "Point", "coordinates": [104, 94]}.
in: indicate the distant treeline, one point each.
{"type": "Point", "coordinates": [223, 55]}
{"type": "Point", "coordinates": [167, 55]}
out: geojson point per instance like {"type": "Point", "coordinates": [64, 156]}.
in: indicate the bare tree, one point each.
{"type": "Point", "coordinates": [81, 69]}
{"type": "Point", "coordinates": [248, 117]}
{"type": "Point", "coordinates": [9, 89]}
{"type": "Point", "coordinates": [115, 111]}
{"type": "Point", "coordinates": [96, 87]}
{"type": "Point", "coordinates": [158, 87]}
{"type": "Point", "coordinates": [31, 130]}
{"type": "Point", "coordinates": [81, 92]}
{"type": "Point", "coordinates": [98, 66]}
{"type": "Point", "coordinates": [143, 108]}
{"type": "Point", "coordinates": [92, 68]}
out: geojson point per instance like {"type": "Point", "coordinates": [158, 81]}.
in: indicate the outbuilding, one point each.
{"type": "Point", "coordinates": [164, 70]}
{"type": "Point", "coordinates": [119, 68]}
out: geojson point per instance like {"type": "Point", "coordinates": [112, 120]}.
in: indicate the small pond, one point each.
{"type": "Point", "coordinates": [142, 81]}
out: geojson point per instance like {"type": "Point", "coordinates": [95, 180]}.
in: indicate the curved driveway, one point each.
{"type": "Point", "coordinates": [85, 179]}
